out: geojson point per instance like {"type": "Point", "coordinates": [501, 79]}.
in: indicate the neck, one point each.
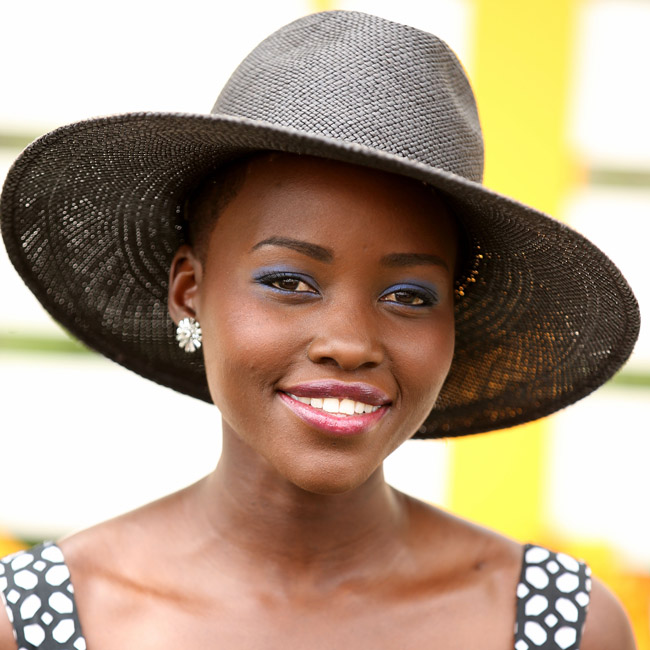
{"type": "Point", "coordinates": [264, 519]}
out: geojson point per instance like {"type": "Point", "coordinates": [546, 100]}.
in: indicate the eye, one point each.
{"type": "Point", "coordinates": [410, 296]}
{"type": "Point", "coordinates": [403, 298]}
{"type": "Point", "coordinates": [291, 284]}
{"type": "Point", "coordinates": [286, 282]}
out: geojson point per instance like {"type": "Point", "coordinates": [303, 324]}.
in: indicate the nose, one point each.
{"type": "Point", "coordinates": [347, 338]}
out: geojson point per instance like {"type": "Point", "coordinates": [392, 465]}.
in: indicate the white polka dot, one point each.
{"type": "Point", "coordinates": [10, 615]}
{"type": "Point", "coordinates": [522, 590]}
{"type": "Point", "coordinates": [3, 584]}
{"type": "Point", "coordinates": [588, 584]}
{"type": "Point", "coordinates": [22, 561]}
{"type": "Point", "coordinates": [53, 554]}
{"type": "Point", "coordinates": [567, 609]}
{"type": "Point", "coordinates": [60, 603]}
{"type": "Point", "coordinates": [63, 631]}
{"type": "Point", "coordinates": [588, 570]}
{"type": "Point", "coordinates": [57, 574]}
{"type": "Point", "coordinates": [47, 618]}
{"type": "Point", "coordinates": [535, 632]}
{"type": "Point", "coordinates": [553, 567]}
{"type": "Point", "coordinates": [521, 645]}
{"type": "Point", "coordinates": [2, 568]}
{"type": "Point", "coordinates": [34, 634]}
{"type": "Point", "coordinates": [39, 565]}
{"type": "Point", "coordinates": [582, 598]}
{"type": "Point", "coordinates": [568, 582]}
{"type": "Point", "coordinates": [30, 606]}
{"type": "Point", "coordinates": [80, 643]}
{"type": "Point", "coordinates": [13, 596]}
{"type": "Point", "coordinates": [565, 637]}
{"type": "Point", "coordinates": [569, 563]}
{"type": "Point", "coordinates": [536, 554]}
{"type": "Point", "coordinates": [536, 605]}
{"type": "Point", "coordinates": [25, 579]}
{"type": "Point", "coordinates": [551, 620]}
{"type": "Point", "coordinates": [537, 577]}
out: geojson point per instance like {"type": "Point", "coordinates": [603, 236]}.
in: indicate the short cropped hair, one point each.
{"type": "Point", "coordinates": [210, 198]}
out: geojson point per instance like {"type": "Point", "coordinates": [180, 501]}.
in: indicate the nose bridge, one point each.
{"type": "Point", "coordinates": [347, 333]}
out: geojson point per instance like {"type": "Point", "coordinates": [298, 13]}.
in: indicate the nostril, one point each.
{"type": "Point", "coordinates": [347, 355]}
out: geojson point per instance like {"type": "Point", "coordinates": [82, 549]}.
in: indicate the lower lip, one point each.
{"type": "Point", "coordinates": [333, 422]}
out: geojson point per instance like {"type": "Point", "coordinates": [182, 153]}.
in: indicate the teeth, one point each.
{"type": "Point", "coordinates": [346, 406]}
{"type": "Point", "coordinates": [334, 405]}
{"type": "Point", "coordinates": [331, 405]}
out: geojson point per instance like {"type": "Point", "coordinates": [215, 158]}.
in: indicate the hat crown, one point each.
{"type": "Point", "coordinates": [365, 80]}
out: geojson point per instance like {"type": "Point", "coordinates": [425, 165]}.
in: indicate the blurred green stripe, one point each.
{"type": "Point", "coordinates": [631, 178]}
{"type": "Point", "coordinates": [41, 344]}
{"type": "Point", "coordinates": [18, 141]}
{"type": "Point", "coordinates": [632, 379]}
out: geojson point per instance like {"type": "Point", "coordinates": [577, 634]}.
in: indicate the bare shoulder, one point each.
{"type": "Point", "coordinates": [108, 551]}
{"type": "Point", "coordinates": [471, 543]}
{"type": "Point", "coordinates": [7, 641]}
{"type": "Point", "coordinates": [607, 626]}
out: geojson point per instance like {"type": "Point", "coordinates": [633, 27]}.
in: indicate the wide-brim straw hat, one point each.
{"type": "Point", "coordinates": [92, 214]}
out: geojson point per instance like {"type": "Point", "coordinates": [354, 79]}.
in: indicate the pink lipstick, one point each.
{"type": "Point", "coordinates": [337, 407]}
{"type": "Point", "coordinates": [327, 388]}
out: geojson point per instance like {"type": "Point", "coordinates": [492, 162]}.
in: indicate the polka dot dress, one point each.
{"type": "Point", "coordinates": [552, 599]}
{"type": "Point", "coordinates": [38, 595]}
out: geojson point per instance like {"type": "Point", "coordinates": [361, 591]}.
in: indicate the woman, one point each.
{"type": "Point", "coordinates": [340, 281]}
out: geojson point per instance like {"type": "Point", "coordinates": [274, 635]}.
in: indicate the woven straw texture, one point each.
{"type": "Point", "coordinates": [91, 215]}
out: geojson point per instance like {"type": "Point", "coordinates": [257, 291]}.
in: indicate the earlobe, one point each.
{"type": "Point", "coordinates": [184, 283]}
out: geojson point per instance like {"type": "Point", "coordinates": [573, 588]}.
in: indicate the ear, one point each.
{"type": "Point", "coordinates": [184, 282]}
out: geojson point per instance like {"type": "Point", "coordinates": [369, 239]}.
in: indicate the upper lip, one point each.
{"type": "Point", "coordinates": [357, 391]}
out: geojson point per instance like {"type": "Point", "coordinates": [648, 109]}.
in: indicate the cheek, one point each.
{"type": "Point", "coordinates": [424, 358]}
{"type": "Point", "coordinates": [246, 350]}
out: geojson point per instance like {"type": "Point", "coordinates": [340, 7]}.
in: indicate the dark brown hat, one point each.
{"type": "Point", "coordinates": [91, 216]}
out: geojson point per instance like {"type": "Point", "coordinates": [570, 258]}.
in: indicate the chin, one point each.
{"type": "Point", "coordinates": [328, 482]}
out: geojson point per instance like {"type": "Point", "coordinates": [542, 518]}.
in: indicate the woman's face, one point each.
{"type": "Point", "coordinates": [326, 287]}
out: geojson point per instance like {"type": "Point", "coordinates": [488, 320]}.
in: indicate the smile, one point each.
{"type": "Point", "coordinates": [342, 406]}
{"type": "Point", "coordinates": [335, 415]}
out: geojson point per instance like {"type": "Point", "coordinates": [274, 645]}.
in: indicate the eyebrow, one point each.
{"type": "Point", "coordinates": [412, 259]}
{"type": "Point", "coordinates": [312, 250]}
{"type": "Point", "coordinates": [322, 254]}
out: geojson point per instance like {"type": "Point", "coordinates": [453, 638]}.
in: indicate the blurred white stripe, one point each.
{"type": "Point", "coordinates": [609, 121]}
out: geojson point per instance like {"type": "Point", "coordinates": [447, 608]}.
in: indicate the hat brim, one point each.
{"type": "Point", "coordinates": [91, 216]}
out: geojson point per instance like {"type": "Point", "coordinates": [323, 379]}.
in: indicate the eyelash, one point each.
{"type": "Point", "coordinates": [269, 280]}
{"type": "Point", "coordinates": [427, 298]}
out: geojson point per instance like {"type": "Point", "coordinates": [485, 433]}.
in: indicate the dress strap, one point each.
{"type": "Point", "coordinates": [38, 595]}
{"type": "Point", "coordinates": [552, 600]}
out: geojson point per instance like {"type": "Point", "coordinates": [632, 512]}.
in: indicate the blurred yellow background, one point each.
{"type": "Point", "coordinates": [564, 102]}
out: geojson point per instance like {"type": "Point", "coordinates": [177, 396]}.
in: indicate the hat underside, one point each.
{"type": "Point", "coordinates": [91, 216]}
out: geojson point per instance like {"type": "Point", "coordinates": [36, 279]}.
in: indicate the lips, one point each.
{"type": "Point", "coordinates": [343, 405]}
{"type": "Point", "coordinates": [356, 391]}
{"type": "Point", "coordinates": [337, 407]}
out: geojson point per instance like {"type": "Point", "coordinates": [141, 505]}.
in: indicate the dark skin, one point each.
{"type": "Point", "coordinates": [295, 541]}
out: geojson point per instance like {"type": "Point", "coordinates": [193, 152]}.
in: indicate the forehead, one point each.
{"type": "Point", "coordinates": [318, 199]}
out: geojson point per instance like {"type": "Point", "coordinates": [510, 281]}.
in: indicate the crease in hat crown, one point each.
{"type": "Point", "coordinates": [365, 80]}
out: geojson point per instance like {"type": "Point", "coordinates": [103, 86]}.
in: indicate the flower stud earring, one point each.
{"type": "Point", "coordinates": [188, 334]}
